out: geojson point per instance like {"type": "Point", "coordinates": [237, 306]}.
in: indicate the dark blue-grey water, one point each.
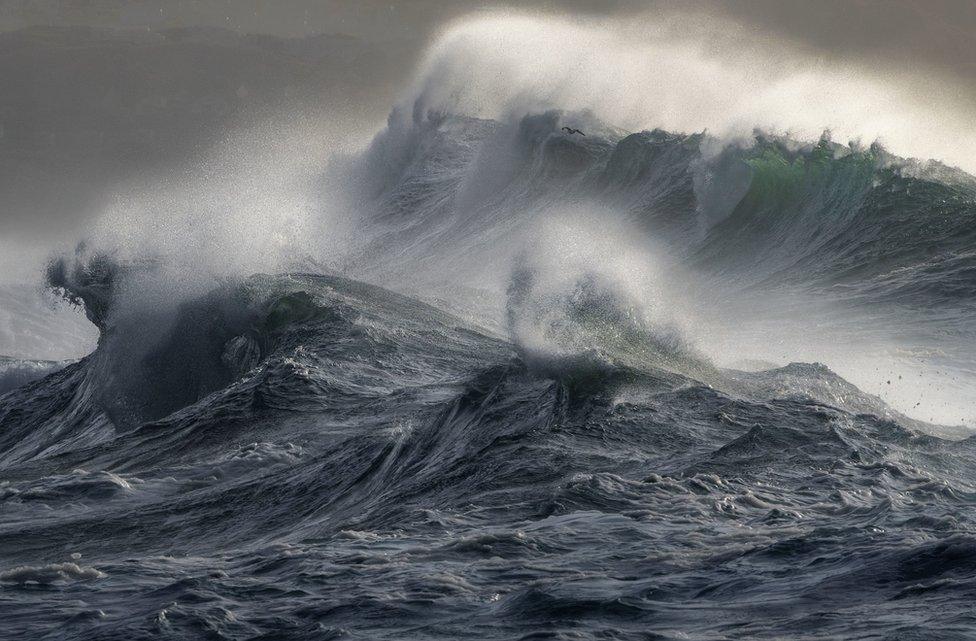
{"type": "Point", "coordinates": [306, 456]}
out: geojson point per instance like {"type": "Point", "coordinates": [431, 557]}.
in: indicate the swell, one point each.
{"type": "Point", "coordinates": [776, 211]}
{"type": "Point", "coordinates": [325, 345]}
{"type": "Point", "coordinates": [450, 199]}
{"type": "Point", "coordinates": [351, 458]}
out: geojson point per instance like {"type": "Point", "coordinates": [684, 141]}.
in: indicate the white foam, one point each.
{"type": "Point", "coordinates": [689, 73]}
{"type": "Point", "coordinates": [51, 573]}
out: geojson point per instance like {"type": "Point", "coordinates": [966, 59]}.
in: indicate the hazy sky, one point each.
{"type": "Point", "coordinates": [935, 32]}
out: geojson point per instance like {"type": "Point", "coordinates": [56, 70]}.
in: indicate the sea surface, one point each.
{"type": "Point", "coordinates": [605, 386]}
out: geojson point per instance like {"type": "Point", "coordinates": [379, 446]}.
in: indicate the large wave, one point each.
{"type": "Point", "coordinates": [868, 253]}
{"type": "Point", "coordinates": [758, 217]}
{"type": "Point", "coordinates": [834, 252]}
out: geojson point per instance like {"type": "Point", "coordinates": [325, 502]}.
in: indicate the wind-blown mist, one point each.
{"type": "Point", "coordinates": [690, 73]}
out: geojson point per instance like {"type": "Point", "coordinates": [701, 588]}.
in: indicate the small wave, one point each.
{"type": "Point", "coordinates": [17, 372]}
{"type": "Point", "coordinates": [51, 573]}
{"type": "Point", "coordinates": [588, 328]}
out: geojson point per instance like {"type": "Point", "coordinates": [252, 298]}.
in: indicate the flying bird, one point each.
{"type": "Point", "coordinates": [571, 131]}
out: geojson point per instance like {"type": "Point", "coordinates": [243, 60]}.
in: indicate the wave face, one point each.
{"type": "Point", "coordinates": [823, 214]}
{"type": "Point", "coordinates": [839, 253]}
{"type": "Point", "coordinates": [531, 430]}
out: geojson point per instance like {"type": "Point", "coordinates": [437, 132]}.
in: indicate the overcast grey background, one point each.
{"type": "Point", "coordinates": [933, 31]}
{"type": "Point", "coordinates": [95, 92]}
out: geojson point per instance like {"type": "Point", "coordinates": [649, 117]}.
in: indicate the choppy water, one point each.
{"type": "Point", "coordinates": [310, 457]}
